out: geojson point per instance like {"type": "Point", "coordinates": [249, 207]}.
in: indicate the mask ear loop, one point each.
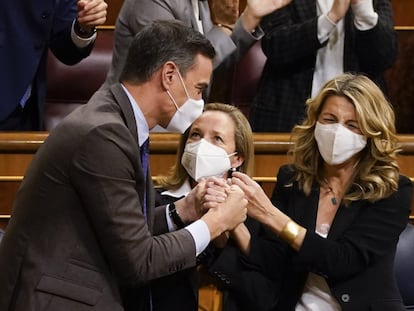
{"type": "Point", "coordinates": [185, 90]}
{"type": "Point", "coordinates": [182, 83]}
{"type": "Point", "coordinates": [172, 99]}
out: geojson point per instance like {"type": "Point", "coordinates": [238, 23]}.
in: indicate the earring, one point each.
{"type": "Point", "coordinates": [233, 169]}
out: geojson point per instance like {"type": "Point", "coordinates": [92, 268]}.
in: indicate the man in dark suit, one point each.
{"type": "Point", "coordinates": [27, 30]}
{"type": "Point", "coordinates": [84, 233]}
{"type": "Point", "coordinates": [309, 42]}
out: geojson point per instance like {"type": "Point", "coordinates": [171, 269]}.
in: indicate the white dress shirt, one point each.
{"type": "Point", "coordinates": [330, 58]}
{"type": "Point", "coordinates": [198, 229]}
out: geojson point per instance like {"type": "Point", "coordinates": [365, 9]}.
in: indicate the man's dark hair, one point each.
{"type": "Point", "coordinates": [163, 41]}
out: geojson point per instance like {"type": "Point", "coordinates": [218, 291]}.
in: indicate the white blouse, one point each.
{"type": "Point", "coordinates": [317, 295]}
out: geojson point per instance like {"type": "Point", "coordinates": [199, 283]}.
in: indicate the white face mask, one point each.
{"type": "Point", "coordinates": [186, 114]}
{"type": "Point", "coordinates": [203, 159]}
{"type": "Point", "coordinates": [336, 143]}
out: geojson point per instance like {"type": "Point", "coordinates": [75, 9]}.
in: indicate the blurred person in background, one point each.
{"type": "Point", "coordinates": [28, 30]}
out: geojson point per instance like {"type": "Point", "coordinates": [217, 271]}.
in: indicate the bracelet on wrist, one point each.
{"type": "Point", "coordinates": [290, 232]}
{"type": "Point", "coordinates": [175, 216]}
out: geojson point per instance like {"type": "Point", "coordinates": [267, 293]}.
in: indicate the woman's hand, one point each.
{"type": "Point", "coordinates": [338, 10]}
{"type": "Point", "coordinates": [225, 216]}
{"type": "Point", "coordinates": [257, 9]}
{"type": "Point", "coordinates": [259, 206]}
{"type": "Point", "coordinates": [221, 240]}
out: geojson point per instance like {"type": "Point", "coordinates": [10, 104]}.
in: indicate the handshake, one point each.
{"type": "Point", "coordinates": [223, 204]}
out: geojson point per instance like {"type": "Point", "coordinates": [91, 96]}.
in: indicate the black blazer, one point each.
{"type": "Point", "coordinates": [240, 278]}
{"type": "Point", "coordinates": [357, 256]}
{"type": "Point", "coordinates": [291, 45]}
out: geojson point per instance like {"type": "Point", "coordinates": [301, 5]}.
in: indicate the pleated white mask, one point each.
{"type": "Point", "coordinates": [203, 159]}
{"type": "Point", "coordinates": [336, 143]}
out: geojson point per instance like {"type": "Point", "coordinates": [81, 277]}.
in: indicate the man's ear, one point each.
{"type": "Point", "coordinates": [168, 73]}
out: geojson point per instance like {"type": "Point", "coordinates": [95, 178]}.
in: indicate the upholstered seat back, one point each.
{"type": "Point", "coordinates": [246, 78]}
{"type": "Point", "coordinates": [404, 266]}
{"type": "Point", "coordinates": [71, 86]}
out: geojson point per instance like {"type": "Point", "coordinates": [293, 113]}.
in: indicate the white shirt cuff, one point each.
{"type": "Point", "coordinates": [201, 235]}
{"type": "Point", "coordinates": [325, 26]}
{"type": "Point", "coordinates": [81, 42]}
{"type": "Point", "coordinates": [365, 16]}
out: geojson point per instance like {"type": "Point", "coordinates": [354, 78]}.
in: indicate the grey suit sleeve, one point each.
{"type": "Point", "coordinates": [230, 49]}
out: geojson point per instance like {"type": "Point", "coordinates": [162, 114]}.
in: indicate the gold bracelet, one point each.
{"type": "Point", "coordinates": [290, 232]}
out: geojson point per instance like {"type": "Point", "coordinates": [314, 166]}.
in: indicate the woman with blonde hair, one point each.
{"type": "Point", "coordinates": [217, 144]}
{"type": "Point", "coordinates": [239, 131]}
{"type": "Point", "coordinates": [337, 210]}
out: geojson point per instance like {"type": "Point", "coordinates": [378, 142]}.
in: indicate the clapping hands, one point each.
{"type": "Point", "coordinates": [91, 13]}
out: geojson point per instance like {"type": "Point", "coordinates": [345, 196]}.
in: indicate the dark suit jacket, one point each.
{"type": "Point", "coordinates": [357, 256]}
{"type": "Point", "coordinates": [27, 30]}
{"type": "Point", "coordinates": [77, 232]}
{"type": "Point", "coordinates": [240, 278]}
{"type": "Point", "coordinates": [291, 46]}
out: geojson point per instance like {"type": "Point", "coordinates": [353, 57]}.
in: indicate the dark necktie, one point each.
{"type": "Point", "coordinates": [144, 163]}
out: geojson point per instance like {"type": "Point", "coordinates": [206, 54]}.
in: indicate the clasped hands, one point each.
{"type": "Point", "coordinates": [216, 193]}
{"type": "Point", "coordinates": [227, 202]}
{"type": "Point", "coordinates": [91, 13]}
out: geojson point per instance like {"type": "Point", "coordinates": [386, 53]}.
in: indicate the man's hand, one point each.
{"type": "Point", "coordinates": [193, 206]}
{"type": "Point", "coordinates": [224, 12]}
{"type": "Point", "coordinates": [257, 9]}
{"type": "Point", "coordinates": [225, 216]}
{"type": "Point", "coordinates": [190, 207]}
{"type": "Point", "coordinates": [91, 13]}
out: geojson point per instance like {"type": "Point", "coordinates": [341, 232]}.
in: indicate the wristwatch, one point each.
{"type": "Point", "coordinates": [172, 211]}
{"type": "Point", "coordinates": [82, 32]}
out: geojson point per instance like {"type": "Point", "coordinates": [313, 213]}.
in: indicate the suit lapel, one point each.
{"type": "Point", "coordinates": [122, 100]}
{"type": "Point", "coordinates": [185, 13]}
{"type": "Point", "coordinates": [344, 216]}
{"type": "Point", "coordinates": [205, 16]}
{"type": "Point", "coordinates": [306, 208]}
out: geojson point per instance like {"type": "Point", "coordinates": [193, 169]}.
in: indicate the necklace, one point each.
{"type": "Point", "coordinates": [333, 199]}
{"type": "Point", "coordinates": [330, 190]}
